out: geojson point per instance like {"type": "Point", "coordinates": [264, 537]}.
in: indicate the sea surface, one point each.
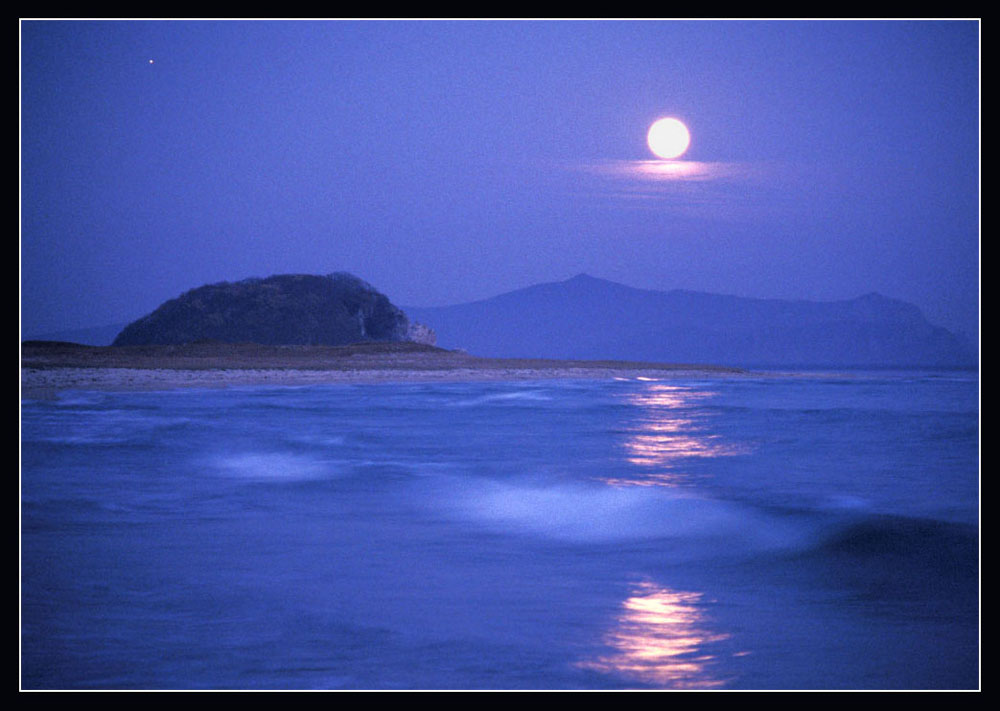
{"type": "Point", "coordinates": [817, 531]}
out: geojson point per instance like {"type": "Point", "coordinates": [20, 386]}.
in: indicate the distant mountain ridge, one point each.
{"type": "Point", "coordinates": [94, 336]}
{"type": "Point", "coordinates": [590, 318]}
{"type": "Point", "coordinates": [287, 309]}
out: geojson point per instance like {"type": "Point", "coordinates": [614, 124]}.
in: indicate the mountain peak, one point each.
{"type": "Point", "coordinates": [586, 317]}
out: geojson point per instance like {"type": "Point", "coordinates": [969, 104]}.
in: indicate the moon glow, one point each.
{"type": "Point", "coordinates": [668, 138]}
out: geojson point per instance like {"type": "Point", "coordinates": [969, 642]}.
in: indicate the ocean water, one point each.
{"type": "Point", "coordinates": [806, 532]}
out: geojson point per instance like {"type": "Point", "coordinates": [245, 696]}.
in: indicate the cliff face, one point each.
{"type": "Point", "coordinates": [290, 309]}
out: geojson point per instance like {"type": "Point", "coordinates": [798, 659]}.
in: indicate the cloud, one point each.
{"type": "Point", "coordinates": [668, 171]}
{"type": "Point", "coordinates": [728, 191]}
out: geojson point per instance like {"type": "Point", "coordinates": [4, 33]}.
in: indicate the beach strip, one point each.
{"type": "Point", "coordinates": [48, 368]}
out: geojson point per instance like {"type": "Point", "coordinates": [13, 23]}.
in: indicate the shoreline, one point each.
{"type": "Point", "coordinates": [48, 382]}
{"type": "Point", "coordinates": [48, 368]}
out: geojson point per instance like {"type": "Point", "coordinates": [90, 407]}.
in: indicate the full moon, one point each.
{"type": "Point", "coordinates": [668, 138]}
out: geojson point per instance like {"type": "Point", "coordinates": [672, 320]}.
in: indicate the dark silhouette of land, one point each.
{"type": "Point", "coordinates": [286, 309]}
{"type": "Point", "coordinates": [42, 355]}
{"type": "Point", "coordinates": [589, 318]}
{"type": "Point", "coordinates": [302, 329]}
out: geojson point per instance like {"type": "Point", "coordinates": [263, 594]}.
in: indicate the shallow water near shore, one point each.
{"type": "Point", "coordinates": [730, 533]}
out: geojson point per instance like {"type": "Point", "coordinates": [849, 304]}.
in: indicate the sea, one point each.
{"type": "Point", "coordinates": [815, 530]}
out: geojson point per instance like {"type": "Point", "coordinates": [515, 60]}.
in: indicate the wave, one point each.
{"type": "Point", "coordinates": [514, 398]}
{"type": "Point", "coordinates": [273, 467]}
{"type": "Point", "coordinates": [585, 512]}
{"type": "Point", "coordinates": [99, 427]}
{"type": "Point", "coordinates": [900, 562]}
{"type": "Point", "coordinates": [844, 532]}
{"type": "Point", "coordinates": [901, 537]}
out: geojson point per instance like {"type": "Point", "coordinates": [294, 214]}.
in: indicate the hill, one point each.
{"type": "Point", "coordinates": [590, 318]}
{"type": "Point", "coordinates": [288, 309]}
{"type": "Point", "coordinates": [94, 336]}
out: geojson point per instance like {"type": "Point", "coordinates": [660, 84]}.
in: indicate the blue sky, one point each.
{"type": "Point", "coordinates": [450, 161]}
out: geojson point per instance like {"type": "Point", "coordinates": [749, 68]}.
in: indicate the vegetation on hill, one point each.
{"type": "Point", "coordinates": [289, 309]}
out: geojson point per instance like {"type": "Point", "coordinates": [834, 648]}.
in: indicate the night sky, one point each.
{"type": "Point", "coordinates": [450, 161]}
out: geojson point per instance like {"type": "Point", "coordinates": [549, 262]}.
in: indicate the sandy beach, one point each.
{"type": "Point", "coordinates": [48, 367]}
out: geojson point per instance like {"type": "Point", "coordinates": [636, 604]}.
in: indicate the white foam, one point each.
{"type": "Point", "coordinates": [322, 440]}
{"type": "Point", "coordinates": [594, 513]}
{"type": "Point", "coordinates": [510, 397]}
{"type": "Point", "coordinates": [272, 466]}
{"type": "Point", "coordinates": [74, 398]}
